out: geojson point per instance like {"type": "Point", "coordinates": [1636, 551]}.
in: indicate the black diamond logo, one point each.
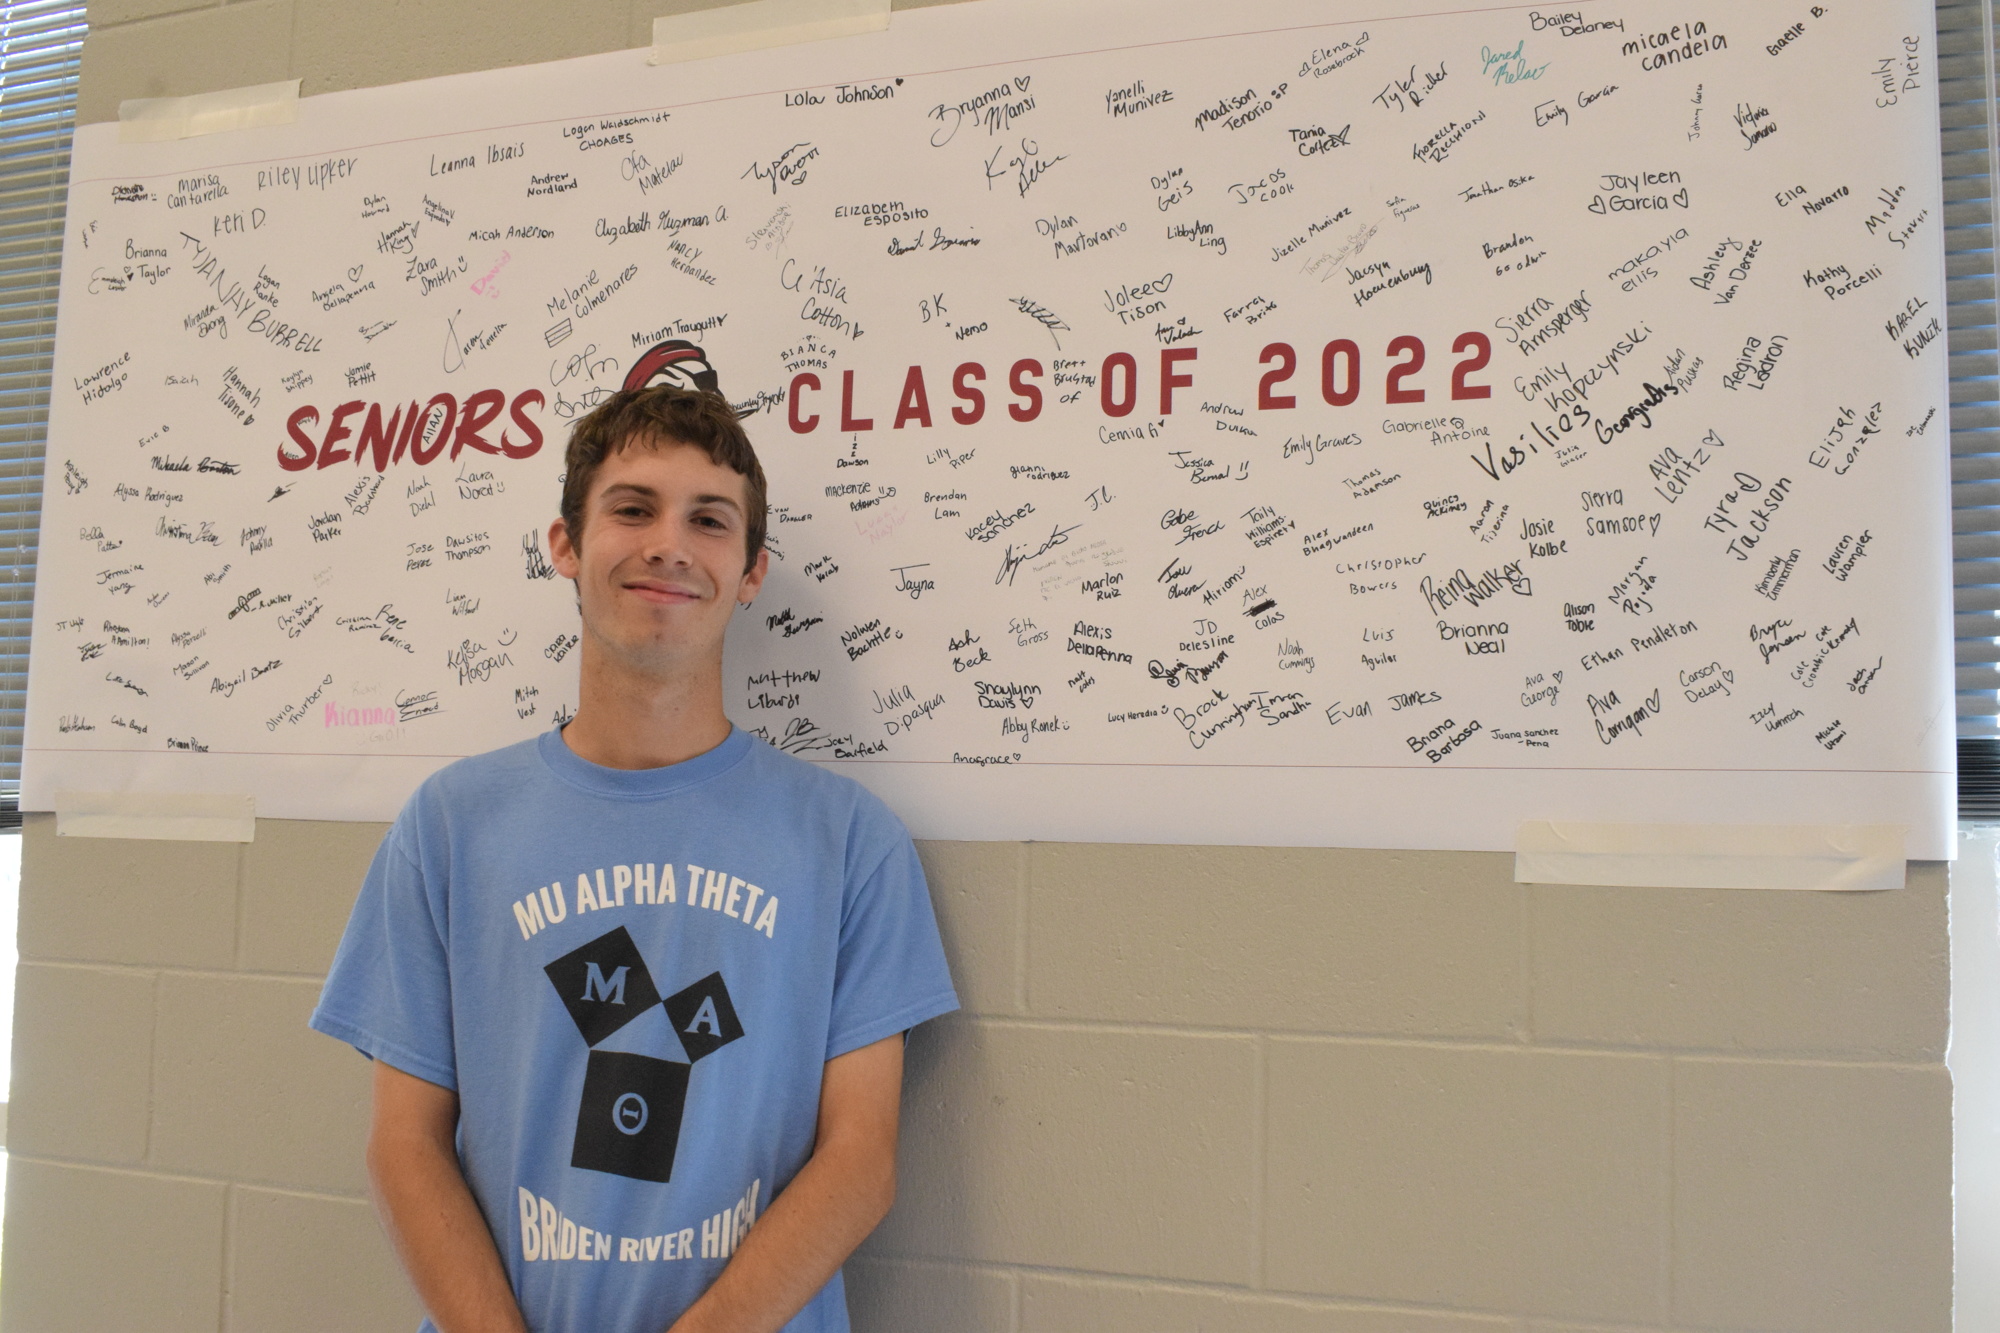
{"type": "Point", "coordinates": [704, 1017]}
{"type": "Point", "coordinates": [605, 985]}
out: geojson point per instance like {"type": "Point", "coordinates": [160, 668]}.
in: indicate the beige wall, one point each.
{"type": "Point", "coordinates": [1193, 1089]}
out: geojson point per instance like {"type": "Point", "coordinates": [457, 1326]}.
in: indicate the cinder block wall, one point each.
{"type": "Point", "coordinates": [1193, 1088]}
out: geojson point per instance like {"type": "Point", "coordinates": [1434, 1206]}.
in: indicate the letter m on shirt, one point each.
{"type": "Point", "coordinates": [595, 987]}
{"type": "Point", "coordinates": [603, 984]}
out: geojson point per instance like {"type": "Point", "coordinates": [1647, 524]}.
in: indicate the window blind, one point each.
{"type": "Point", "coordinates": [40, 45]}
{"type": "Point", "coordinates": [1967, 146]}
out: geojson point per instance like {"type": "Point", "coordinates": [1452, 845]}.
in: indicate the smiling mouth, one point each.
{"type": "Point", "coordinates": [662, 595]}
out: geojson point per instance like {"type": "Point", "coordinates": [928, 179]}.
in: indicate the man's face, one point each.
{"type": "Point", "coordinates": [660, 568]}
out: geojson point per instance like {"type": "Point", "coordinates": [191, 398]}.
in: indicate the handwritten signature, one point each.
{"type": "Point", "coordinates": [1010, 563]}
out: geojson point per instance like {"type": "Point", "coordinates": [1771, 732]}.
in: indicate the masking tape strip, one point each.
{"type": "Point", "coordinates": [760, 23]}
{"type": "Point", "coordinates": [1711, 856]}
{"type": "Point", "coordinates": [176, 816]}
{"type": "Point", "coordinates": [158, 119]}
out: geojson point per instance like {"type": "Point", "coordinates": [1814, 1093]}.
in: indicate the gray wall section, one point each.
{"type": "Point", "coordinates": [1192, 1088]}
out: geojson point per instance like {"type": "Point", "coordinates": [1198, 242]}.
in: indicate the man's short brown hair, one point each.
{"type": "Point", "coordinates": [664, 414]}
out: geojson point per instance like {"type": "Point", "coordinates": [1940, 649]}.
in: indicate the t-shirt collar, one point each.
{"type": "Point", "coordinates": [640, 783]}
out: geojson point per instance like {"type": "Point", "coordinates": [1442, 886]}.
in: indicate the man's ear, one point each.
{"type": "Point", "coordinates": [562, 552]}
{"type": "Point", "coordinates": [753, 577]}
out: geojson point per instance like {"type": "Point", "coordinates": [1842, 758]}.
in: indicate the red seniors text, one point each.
{"type": "Point", "coordinates": [422, 431]}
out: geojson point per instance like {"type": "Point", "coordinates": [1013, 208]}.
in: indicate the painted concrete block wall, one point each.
{"type": "Point", "coordinates": [1192, 1088]}
{"type": "Point", "coordinates": [184, 1153]}
{"type": "Point", "coordinates": [1219, 1088]}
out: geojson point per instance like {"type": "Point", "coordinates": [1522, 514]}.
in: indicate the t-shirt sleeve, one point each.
{"type": "Point", "coordinates": [388, 993]}
{"type": "Point", "coordinates": [891, 973]}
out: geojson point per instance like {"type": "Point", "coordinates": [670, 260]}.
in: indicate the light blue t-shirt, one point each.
{"type": "Point", "coordinates": [633, 979]}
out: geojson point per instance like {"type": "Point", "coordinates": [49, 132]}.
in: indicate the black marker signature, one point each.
{"type": "Point", "coordinates": [1010, 564]}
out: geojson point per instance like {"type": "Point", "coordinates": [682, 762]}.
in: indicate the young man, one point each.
{"type": "Point", "coordinates": [631, 983]}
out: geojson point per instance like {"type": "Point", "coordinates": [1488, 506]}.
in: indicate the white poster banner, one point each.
{"type": "Point", "coordinates": [1186, 423]}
